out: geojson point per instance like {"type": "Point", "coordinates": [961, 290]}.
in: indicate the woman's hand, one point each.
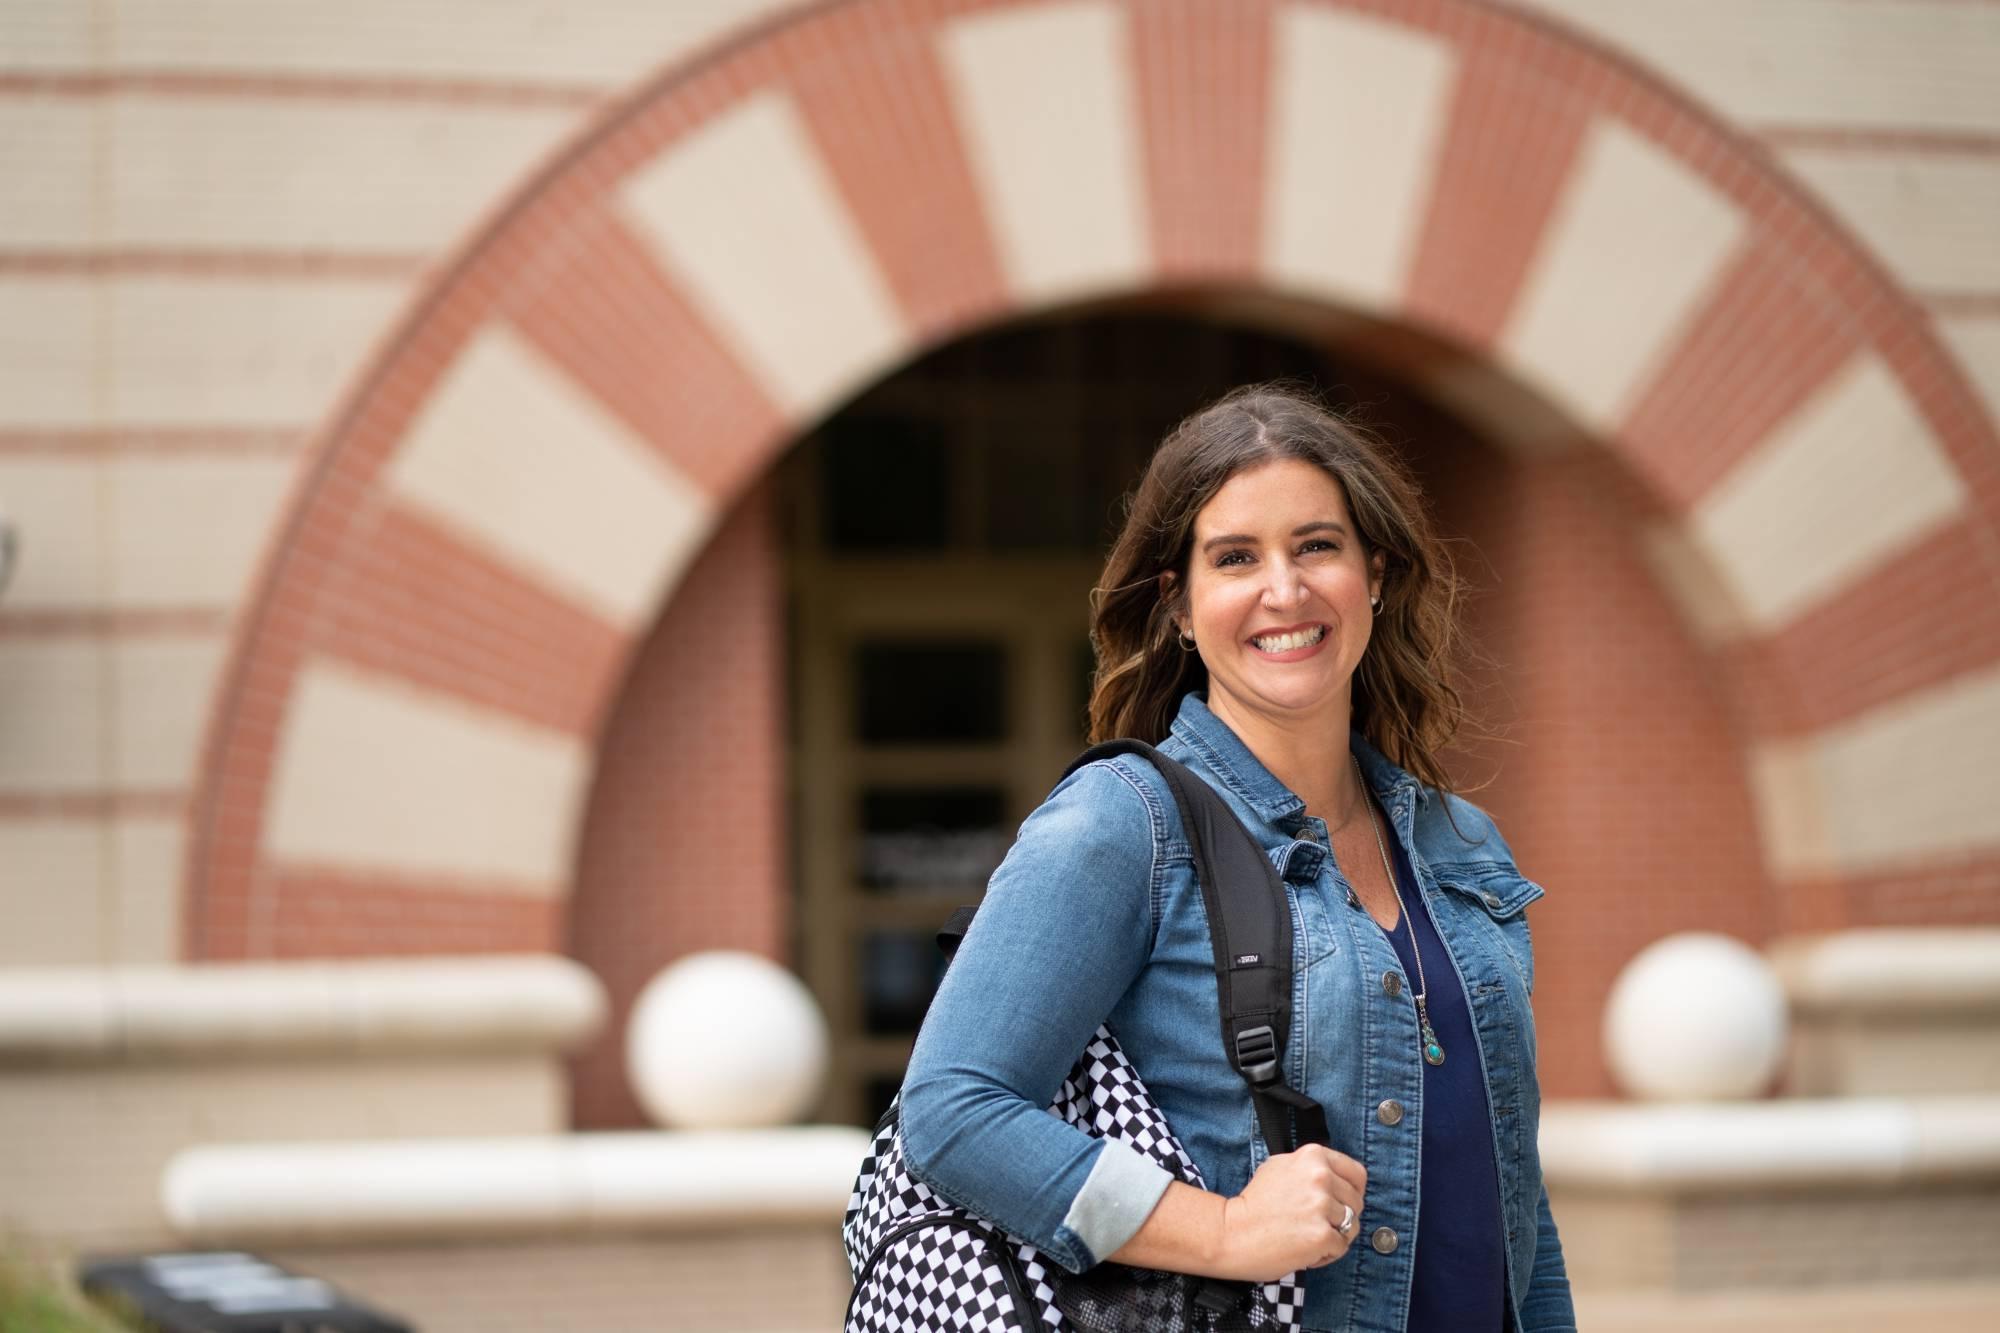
{"type": "Point", "coordinates": [1291, 1214]}
{"type": "Point", "coordinates": [1288, 1217]}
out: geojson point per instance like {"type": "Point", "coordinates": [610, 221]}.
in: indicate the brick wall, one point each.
{"type": "Point", "coordinates": [217, 212]}
{"type": "Point", "coordinates": [213, 214]}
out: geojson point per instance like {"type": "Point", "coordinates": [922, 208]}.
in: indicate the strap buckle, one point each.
{"type": "Point", "coordinates": [1257, 1054]}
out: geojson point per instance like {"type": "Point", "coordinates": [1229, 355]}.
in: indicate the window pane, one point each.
{"type": "Point", "coordinates": [937, 692]}
{"type": "Point", "coordinates": [1084, 663]}
{"type": "Point", "coordinates": [900, 971]}
{"type": "Point", "coordinates": [888, 483]}
{"type": "Point", "coordinates": [931, 838]}
{"type": "Point", "coordinates": [879, 1093]}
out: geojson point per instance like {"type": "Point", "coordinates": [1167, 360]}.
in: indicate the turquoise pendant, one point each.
{"type": "Point", "coordinates": [1433, 1052]}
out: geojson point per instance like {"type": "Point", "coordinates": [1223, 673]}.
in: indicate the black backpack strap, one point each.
{"type": "Point", "coordinates": [953, 931]}
{"type": "Point", "coordinates": [1250, 929]}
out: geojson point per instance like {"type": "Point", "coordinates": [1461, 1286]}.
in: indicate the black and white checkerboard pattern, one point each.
{"type": "Point", "coordinates": [944, 1276]}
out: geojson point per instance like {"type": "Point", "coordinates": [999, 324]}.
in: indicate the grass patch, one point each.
{"type": "Point", "coordinates": [38, 1296]}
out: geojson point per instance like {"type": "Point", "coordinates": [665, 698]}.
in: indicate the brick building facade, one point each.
{"type": "Point", "coordinates": [389, 402]}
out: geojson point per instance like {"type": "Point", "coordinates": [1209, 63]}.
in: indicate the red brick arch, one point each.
{"type": "Point", "coordinates": [358, 580]}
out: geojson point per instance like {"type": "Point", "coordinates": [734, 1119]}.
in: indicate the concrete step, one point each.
{"type": "Point", "coordinates": [1971, 1307]}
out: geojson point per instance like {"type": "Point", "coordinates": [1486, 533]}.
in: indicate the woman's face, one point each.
{"type": "Point", "coordinates": [1278, 594]}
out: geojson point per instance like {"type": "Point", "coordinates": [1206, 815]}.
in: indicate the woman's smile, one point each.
{"type": "Point", "coordinates": [1292, 644]}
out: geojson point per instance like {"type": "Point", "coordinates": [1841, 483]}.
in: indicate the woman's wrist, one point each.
{"type": "Point", "coordinates": [1221, 1250]}
{"type": "Point", "coordinates": [1187, 1232]}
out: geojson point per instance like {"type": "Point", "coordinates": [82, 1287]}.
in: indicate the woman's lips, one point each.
{"type": "Point", "coordinates": [1291, 645]}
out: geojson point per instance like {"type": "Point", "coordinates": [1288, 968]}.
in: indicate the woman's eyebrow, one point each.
{"type": "Point", "coordinates": [1239, 538]}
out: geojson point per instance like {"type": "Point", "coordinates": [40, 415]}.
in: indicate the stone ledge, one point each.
{"type": "Point", "coordinates": [1663, 1149]}
{"type": "Point", "coordinates": [543, 1185]}
{"type": "Point", "coordinates": [532, 1002]}
{"type": "Point", "coordinates": [1891, 972]}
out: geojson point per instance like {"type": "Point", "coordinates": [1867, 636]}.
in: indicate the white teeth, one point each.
{"type": "Point", "coordinates": [1284, 643]}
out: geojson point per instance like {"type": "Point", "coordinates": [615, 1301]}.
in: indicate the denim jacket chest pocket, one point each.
{"type": "Point", "coordinates": [1485, 911]}
{"type": "Point", "coordinates": [1298, 863]}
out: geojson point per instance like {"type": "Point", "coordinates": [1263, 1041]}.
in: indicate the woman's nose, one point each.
{"type": "Point", "coordinates": [1285, 588]}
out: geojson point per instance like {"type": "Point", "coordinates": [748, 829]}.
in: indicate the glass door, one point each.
{"type": "Point", "coordinates": [937, 704]}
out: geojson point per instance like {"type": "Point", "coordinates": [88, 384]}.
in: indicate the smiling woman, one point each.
{"type": "Point", "coordinates": [1277, 616]}
{"type": "Point", "coordinates": [1283, 488]}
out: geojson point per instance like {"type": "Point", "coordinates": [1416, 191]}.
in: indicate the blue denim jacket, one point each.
{"type": "Point", "coordinates": [1095, 917]}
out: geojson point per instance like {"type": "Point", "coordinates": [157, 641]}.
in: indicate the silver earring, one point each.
{"type": "Point", "coordinates": [1187, 642]}
{"type": "Point", "coordinates": [1375, 604]}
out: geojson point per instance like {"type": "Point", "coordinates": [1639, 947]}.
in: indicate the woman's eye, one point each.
{"type": "Point", "coordinates": [1317, 544]}
{"type": "Point", "coordinates": [1232, 558]}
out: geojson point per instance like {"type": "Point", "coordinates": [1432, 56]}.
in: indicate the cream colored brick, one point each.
{"type": "Point", "coordinates": [1853, 799]}
{"type": "Point", "coordinates": [1360, 102]}
{"type": "Point", "coordinates": [162, 693]}
{"type": "Point", "coordinates": [52, 730]}
{"type": "Point", "coordinates": [744, 214]}
{"type": "Point", "coordinates": [521, 460]}
{"type": "Point", "coordinates": [1694, 585]}
{"type": "Point", "coordinates": [82, 1149]}
{"type": "Point", "coordinates": [1939, 805]}
{"type": "Point", "coordinates": [188, 531]}
{"type": "Point", "coordinates": [47, 166]}
{"type": "Point", "coordinates": [225, 172]}
{"type": "Point", "coordinates": [1934, 219]}
{"type": "Point", "coordinates": [1635, 245]}
{"type": "Point", "coordinates": [608, 42]}
{"type": "Point", "coordinates": [1792, 809]}
{"type": "Point", "coordinates": [228, 351]}
{"type": "Point", "coordinates": [1910, 64]}
{"type": "Point", "coordinates": [55, 504]}
{"type": "Point", "coordinates": [1976, 341]}
{"type": "Point", "coordinates": [52, 892]}
{"type": "Point", "coordinates": [46, 35]}
{"type": "Point", "coordinates": [1503, 409]}
{"type": "Point", "coordinates": [50, 330]}
{"type": "Point", "coordinates": [1046, 105]}
{"type": "Point", "coordinates": [1809, 511]}
{"type": "Point", "coordinates": [144, 890]}
{"type": "Point", "coordinates": [373, 773]}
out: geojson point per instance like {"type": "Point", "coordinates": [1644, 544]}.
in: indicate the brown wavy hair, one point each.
{"type": "Point", "coordinates": [1403, 698]}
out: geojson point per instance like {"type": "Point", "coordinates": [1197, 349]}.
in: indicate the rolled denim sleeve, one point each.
{"type": "Point", "coordinates": [1065, 926]}
{"type": "Point", "coordinates": [1547, 1307]}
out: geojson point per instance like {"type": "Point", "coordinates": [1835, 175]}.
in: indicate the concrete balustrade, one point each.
{"type": "Point", "coordinates": [462, 1188]}
{"type": "Point", "coordinates": [1791, 1143]}
{"type": "Point", "coordinates": [1892, 1012]}
{"type": "Point", "coordinates": [106, 1074]}
{"type": "Point", "coordinates": [113, 1015]}
{"type": "Point", "coordinates": [1892, 971]}
{"type": "Point", "coordinates": [1684, 1199]}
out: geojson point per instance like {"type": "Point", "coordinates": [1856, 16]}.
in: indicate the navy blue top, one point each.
{"type": "Point", "coordinates": [1460, 1274]}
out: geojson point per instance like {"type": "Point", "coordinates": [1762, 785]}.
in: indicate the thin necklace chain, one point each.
{"type": "Point", "coordinates": [1427, 1038]}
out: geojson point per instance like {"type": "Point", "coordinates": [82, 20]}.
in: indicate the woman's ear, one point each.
{"type": "Point", "coordinates": [1378, 565]}
{"type": "Point", "coordinates": [1170, 593]}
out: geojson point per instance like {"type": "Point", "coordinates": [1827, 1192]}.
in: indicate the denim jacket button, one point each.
{"type": "Point", "coordinates": [1392, 984]}
{"type": "Point", "coordinates": [1384, 1240]}
{"type": "Point", "coordinates": [1390, 1112]}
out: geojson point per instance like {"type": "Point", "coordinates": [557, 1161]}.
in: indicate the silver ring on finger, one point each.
{"type": "Point", "coordinates": [1346, 1220]}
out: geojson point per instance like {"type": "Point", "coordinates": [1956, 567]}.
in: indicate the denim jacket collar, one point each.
{"type": "Point", "coordinates": [1244, 774]}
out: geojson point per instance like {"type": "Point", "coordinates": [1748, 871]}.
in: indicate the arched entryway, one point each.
{"type": "Point", "coordinates": [410, 723]}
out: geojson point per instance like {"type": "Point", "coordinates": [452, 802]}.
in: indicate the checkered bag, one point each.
{"type": "Point", "coordinates": [921, 1262]}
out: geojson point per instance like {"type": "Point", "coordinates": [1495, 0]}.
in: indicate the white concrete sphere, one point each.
{"type": "Point", "coordinates": [1696, 1017]}
{"type": "Point", "coordinates": [725, 1040]}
